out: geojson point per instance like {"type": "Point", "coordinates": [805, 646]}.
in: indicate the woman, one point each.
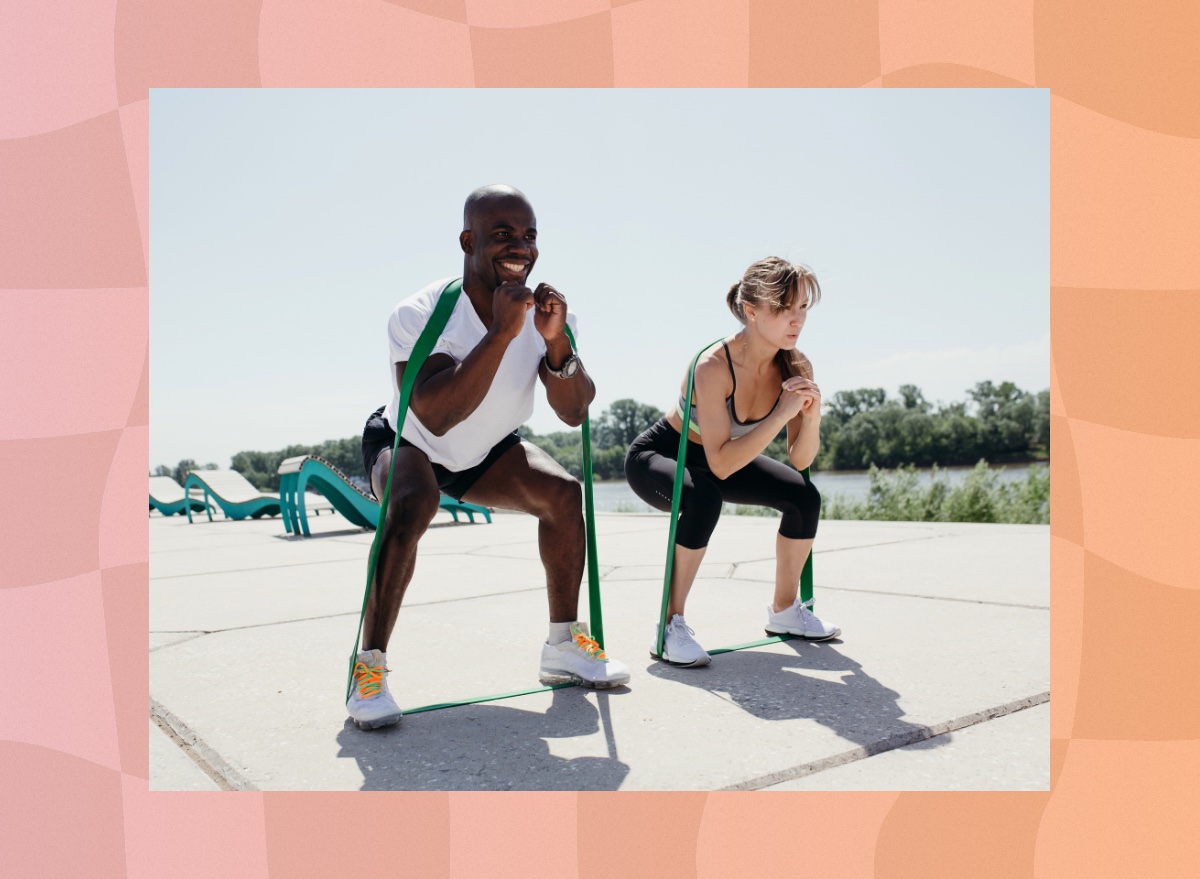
{"type": "Point", "coordinates": [747, 388]}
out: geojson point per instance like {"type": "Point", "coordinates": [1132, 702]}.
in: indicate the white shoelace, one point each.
{"type": "Point", "coordinates": [811, 620]}
{"type": "Point", "coordinates": [682, 631]}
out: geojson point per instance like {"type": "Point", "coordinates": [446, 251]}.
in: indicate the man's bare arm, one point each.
{"type": "Point", "coordinates": [445, 392]}
{"type": "Point", "coordinates": [570, 397]}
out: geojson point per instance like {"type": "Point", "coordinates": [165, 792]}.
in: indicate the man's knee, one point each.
{"type": "Point", "coordinates": [559, 498]}
{"type": "Point", "coordinates": [410, 510]}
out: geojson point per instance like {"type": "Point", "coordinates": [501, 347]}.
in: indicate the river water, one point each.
{"type": "Point", "coordinates": [617, 497]}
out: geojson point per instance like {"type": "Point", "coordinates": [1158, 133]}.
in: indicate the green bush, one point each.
{"type": "Point", "coordinates": [974, 500]}
{"type": "Point", "coordinates": [1026, 502]}
{"type": "Point", "coordinates": [903, 495]}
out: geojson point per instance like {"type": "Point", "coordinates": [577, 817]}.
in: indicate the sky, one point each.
{"type": "Point", "coordinates": [285, 226]}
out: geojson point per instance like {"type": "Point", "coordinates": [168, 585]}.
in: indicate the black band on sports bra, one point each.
{"type": "Point", "coordinates": [732, 404]}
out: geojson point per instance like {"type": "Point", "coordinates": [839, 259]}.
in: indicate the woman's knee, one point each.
{"type": "Point", "coordinates": [801, 512]}
{"type": "Point", "coordinates": [801, 499]}
{"type": "Point", "coordinates": [809, 500]}
{"type": "Point", "coordinates": [700, 508]}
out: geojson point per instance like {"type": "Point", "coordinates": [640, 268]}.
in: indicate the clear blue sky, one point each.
{"type": "Point", "coordinates": [286, 224]}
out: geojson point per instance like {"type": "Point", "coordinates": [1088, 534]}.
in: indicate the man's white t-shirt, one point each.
{"type": "Point", "coordinates": [508, 402]}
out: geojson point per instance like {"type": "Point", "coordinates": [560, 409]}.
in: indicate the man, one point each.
{"type": "Point", "coordinates": [459, 437]}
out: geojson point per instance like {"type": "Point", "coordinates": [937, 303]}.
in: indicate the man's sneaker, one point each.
{"type": "Point", "coordinates": [679, 647]}
{"type": "Point", "coordinates": [800, 621]}
{"type": "Point", "coordinates": [370, 704]}
{"type": "Point", "coordinates": [580, 660]}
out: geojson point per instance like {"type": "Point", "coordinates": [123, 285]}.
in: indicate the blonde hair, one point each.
{"type": "Point", "coordinates": [777, 284]}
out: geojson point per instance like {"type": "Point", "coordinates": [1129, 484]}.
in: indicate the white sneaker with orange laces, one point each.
{"type": "Point", "coordinates": [370, 704]}
{"type": "Point", "coordinates": [580, 660]}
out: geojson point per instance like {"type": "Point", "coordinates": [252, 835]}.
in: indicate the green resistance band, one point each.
{"type": "Point", "coordinates": [806, 575]}
{"type": "Point", "coordinates": [425, 342]}
{"type": "Point", "coordinates": [595, 616]}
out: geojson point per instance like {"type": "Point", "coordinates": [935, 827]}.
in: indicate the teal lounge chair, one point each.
{"type": "Point", "coordinates": [297, 474]}
{"type": "Point", "coordinates": [167, 496]}
{"type": "Point", "coordinates": [236, 497]}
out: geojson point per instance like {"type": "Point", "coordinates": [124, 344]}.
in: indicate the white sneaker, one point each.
{"type": "Point", "coordinates": [799, 620]}
{"type": "Point", "coordinates": [679, 647]}
{"type": "Point", "coordinates": [580, 660]}
{"type": "Point", "coordinates": [370, 704]}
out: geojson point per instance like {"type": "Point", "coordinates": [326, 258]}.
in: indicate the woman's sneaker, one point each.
{"type": "Point", "coordinates": [800, 621]}
{"type": "Point", "coordinates": [370, 704]}
{"type": "Point", "coordinates": [679, 647]}
{"type": "Point", "coordinates": [580, 660]}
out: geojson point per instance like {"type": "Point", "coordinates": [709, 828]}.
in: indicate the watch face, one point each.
{"type": "Point", "coordinates": [571, 366]}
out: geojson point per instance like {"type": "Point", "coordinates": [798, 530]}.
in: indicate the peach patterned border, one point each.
{"type": "Point", "coordinates": [1125, 161]}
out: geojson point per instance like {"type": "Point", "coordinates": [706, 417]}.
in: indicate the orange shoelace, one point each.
{"type": "Point", "coordinates": [369, 680]}
{"type": "Point", "coordinates": [589, 646]}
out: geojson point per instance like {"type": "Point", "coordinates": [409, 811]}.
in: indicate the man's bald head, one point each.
{"type": "Point", "coordinates": [498, 240]}
{"type": "Point", "coordinates": [486, 197]}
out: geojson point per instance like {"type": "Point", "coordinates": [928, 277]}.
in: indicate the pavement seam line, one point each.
{"type": "Point", "coordinates": [482, 551]}
{"type": "Point", "coordinates": [198, 633]}
{"type": "Point", "coordinates": [209, 761]}
{"type": "Point", "coordinates": [823, 550]}
{"type": "Point", "coordinates": [347, 560]}
{"type": "Point", "coordinates": [328, 616]}
{"type": "Point", "coordinates": [890, 743]}
{"type": "Point", "coordinates": [259, 568]}
{"type": "Point", "coordinates": [195, 633]}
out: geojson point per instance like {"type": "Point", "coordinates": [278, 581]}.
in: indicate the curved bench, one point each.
{"type": "Point", "coordinates": [233, 493]}
{"type": "Point", "coordinates": [296, 474]}
{"type": "Point", "coordinates": [167, 496]}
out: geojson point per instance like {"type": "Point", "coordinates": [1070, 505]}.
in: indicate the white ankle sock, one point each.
{"type": "Point", "coordinates": [559, 632]}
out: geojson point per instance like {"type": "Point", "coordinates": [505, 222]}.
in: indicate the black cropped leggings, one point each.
{"type": "Point", "coordinates": [650, 470]}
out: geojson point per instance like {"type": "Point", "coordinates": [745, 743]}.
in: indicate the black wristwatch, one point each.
{"type": "Point", "coordinates": [567, 370]}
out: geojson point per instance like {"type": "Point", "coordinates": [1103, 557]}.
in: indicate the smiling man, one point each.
{"type": "Point", "coordinates": [473, 392]}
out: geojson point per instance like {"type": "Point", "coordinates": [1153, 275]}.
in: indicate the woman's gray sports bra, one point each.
{"type": "Point", "coordinates": [736, 428]}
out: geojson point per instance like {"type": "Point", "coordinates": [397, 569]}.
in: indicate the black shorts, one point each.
{"type": "Point", "coordinates": [378, 437]}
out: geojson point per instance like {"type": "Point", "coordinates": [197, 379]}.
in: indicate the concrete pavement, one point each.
{"type": "Point", "coordinates": [939, 681]}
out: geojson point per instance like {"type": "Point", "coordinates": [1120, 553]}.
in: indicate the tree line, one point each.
{"type": "Point", "coordinates": [999, 423]}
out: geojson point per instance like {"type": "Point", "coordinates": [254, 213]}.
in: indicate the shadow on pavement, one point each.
{"type": "Point", "coordinates": [489, 747]}
{"type": "Point", "coordinates": [815, 682]}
